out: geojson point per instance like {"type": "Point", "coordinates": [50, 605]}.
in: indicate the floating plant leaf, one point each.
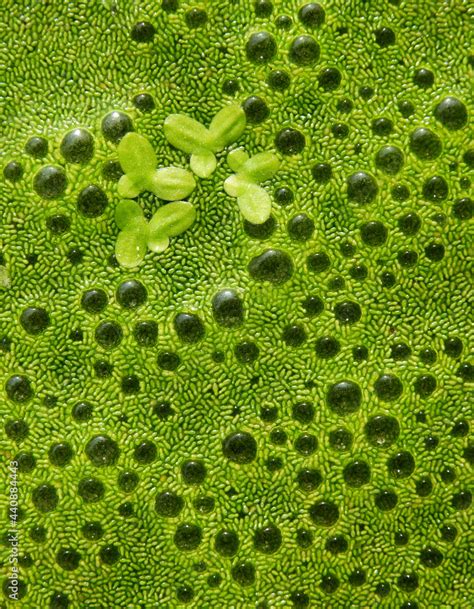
{"type": "Point", "coordinates": [172, 219]}
{"type": "Point", "coordinates": [128, 213]}
{"type": "Point", "coordinates": [236, 158]}
{"type": "Point", "coordinates": [260, 167]}
{"type": "Point", "coordinates": [227, 126]}
{"type": "Point", "coordinates": [129, 188]}
{"type": "Point", "coordinates": [235, 185]}
{"type": "Point", "coordinates": [138, 160]}
{"type": "Point", "coordinates": [136, 155]}
{"type": "Point", "coordinates": [172, 183]}
{"type": "Point", "coordinates": [131, 244]}
{"type": "Point", "coordinates": [203, 163]}
{"type": "Point", "coordinates": [253, 201]}
{"type": "Point", "coordinates": [157, 242]}
{"type": "Point", "coordinates": [255, 204]}
{"type": "Point", "coordinates": [4, 278]}
{"type": "Point", "coordinates": [186, 134]}
{"type": "Point", "coordinates": [192, 137]}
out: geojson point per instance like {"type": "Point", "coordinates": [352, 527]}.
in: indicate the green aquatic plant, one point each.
{"type": "Point", "coordinates": [264, 416]}
{"type": "Point", "coordinates": [138, 161]}
{"type": "Point", "coordinates": [4, 278]}
{"type": "Point", "coordinates": [137, 234]}
{"type": "Point", "coordinates": [254, 202]}
{"type": "Point", "coordinates": [202, 143]}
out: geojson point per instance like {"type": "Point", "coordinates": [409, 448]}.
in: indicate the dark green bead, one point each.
{"type": "Point", "coordinates": [409, 224]}
{"type": "Point", "coordinates": [144, 102]}
{"type": "Point", "coordinates": [145, 452]}
{"type": "Point", "coordinates": [256, 110]}
{"type": "Point", "coordinates": [382, 126]}
{"type": "Point", "coordinates": [131, 294]}
{"type": "Point", "coordinates": [260, 231]}
{"type": "Point", "coordinates": [268, 539]}
{"type": "Point", "coordinates": [306, 444]}
{"type": "Point", "coordinates": [344, 397]}
{"type": "Point", "coordinates": [58, 600]}
{"type": "Point", "coordinates": [324, 513]}
{"type": "Point", "coordinates": [260, 48]}
{"type": "Point", "coordinates": [240, 447]}
{"type": "Point", "coordinates": [300, 228]}
{"type": "Point", "coordinates": [115, 125]}
{"type": "Point", "coordinates": [290, 141]}
{"type": "Point", "coordinates": [304, 51]}
{"type": "Point", "coordinates": [329, 79]}
{"type": "Point", "coordinates": [435, 189]}
{"type": "Point", "coordinates": [388, 387]}
{"type": "Point", "coordinates": [373, 233]}
{"type": "Point", "coordinates": [243, 573]}
{"type": "Point", "coordinates": [35, 320]}
{"type": "Point", "coordinates": [431, 557]}
{"type": "Point", "coordinates": [13, 171]}
{"type": "Point", "coordinates": [77, 146]}
{"type": "Point", "coordinates": [60, 454]}
{"type": "Point", "coordinates": [425, 144]}
{"type": "Point", "coordinates": [341, 439]}
{"type": "Point", "coordinates": [168, 504]}
{"type": "Point", "coordinates": [318, 262]}
{"type": "Point", "coordinates": [389, 159]}
{"type": "Point", "coordinates": [294, 335]}
{"type": "Point", "coordinates": [386, 500]}
{"type": "Point", "coordinates": [312, 15]}
{"type": "Point", "coordinates": [195, 18]}
{"type": "Point", "coordinates": [92, 201]}
{"type": "Point", "coordinates": [451, 113]}
{"type": "Point", "coordinates": [278, 80]}
{"type": "Point", "coordinates": [45, 498]}
{"type": "Point", "coordinates": [193, 472]}
{"type": "Point", "coordinates": [143, 31]}
{"type": "Point", "coordinates": [304, 538]}
{"type": "Point", "coordinates": [167, 360]}
{"type": "Point", "coordinates": [401, 465]}
{"type": "Point", "coordinates": [356, 474]}
{"type": "Point", "coordinates": [424, 385]}
{"type": "Point", "coordinates": [246, 352]}
{"type": "Point", "coordinates": [308, 480]}
{"type": "Point", "coordinates": [187, 537]}
{"type": "Point", "coordinates": [274, 266]}
{"type": "Point", "coordinates": [146, 333]}
{"type": "Point", "coordinates": [313, 305]}
{"type": "Point", "coordinates": [108, 334]}
{"type": "Point", "coordinates": [18, 389]}
{"type": "Point", "coordinates": [347, 312]}
{"type": "Point", "coordinates": [189, 327]}
{"type": "Point", "coordinates": [337, 544]}
{"type": "Point", "coordinates": [303, 412]}
{"type": "Point", "coordinates": [94, 300]}
{"type": "Point", "coordinates": [322, 173]}
{"type": "Point", "coordinates": [423, 78]}
{"type": "Point", "coordinates": [384, 37]}
{"type": "Point", "coordinates": [102, 451]}
{"type": "Point", "coordinates": [361, 188]}
{"type": "Point", "coordinates": [127, 481]}
{"type": "Point", "coordinates": [50, 182]}
{"type": "Point", "coordinates": [37, 147]}
{"type": "Point", "coordinates": [327, 347]}
{"type": "Point", "coordinates": [82, 411]}
{"type": "Point", "coordinates": [382, 431]}
{"type": "Point", "coordinates": [109, 554]}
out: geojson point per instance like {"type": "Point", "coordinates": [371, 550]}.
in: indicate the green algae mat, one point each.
{"type": "Point", "coordinates": [236, 304]}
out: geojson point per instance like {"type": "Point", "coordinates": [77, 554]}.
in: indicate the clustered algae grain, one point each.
{"type": "Point", "coordinates": [270, 408]}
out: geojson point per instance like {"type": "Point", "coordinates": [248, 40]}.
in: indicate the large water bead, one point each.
{"type": "Point", "coordinates": [274, 266]}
